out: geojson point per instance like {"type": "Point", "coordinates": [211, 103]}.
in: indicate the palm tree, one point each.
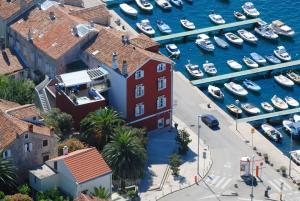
{"type": "Point", "coordinates": [126, 155]}
{"type": "Point", "coordinates": [101, 193]}
{"type": "Point", "coordinates": [7, 174]}
{"type": "Point", "coordinates": [98, 126]}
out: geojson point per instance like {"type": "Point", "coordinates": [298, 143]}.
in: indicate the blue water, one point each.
{"type": "Point", "coordinates": [285, 10]}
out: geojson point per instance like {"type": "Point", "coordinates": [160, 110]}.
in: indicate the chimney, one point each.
{"type": "Point", "coordinates": [65, 150]}
{"type": "Point", "coordinates": [52, 15]}
{"type": "Point", "coordinates": [52, 132]}
{"type": "Point", "coordinates": [29, 35]}
{"type": "Point", "coordinates": [124, 68]}
{"type": "Point", "coordinates": [30, 128]}
{"type": "Point", "coordinates": [114, 61]}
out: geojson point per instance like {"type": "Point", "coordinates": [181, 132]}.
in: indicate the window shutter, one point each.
{"type": "Point", "coordinates": [25, 147]}
{"type": "Point", "coordinates": [136, 91]}
{"type": "Point", "coordinates": [164, 101]}
{"type": "Point", "coordinates": [9, 153]}
{"type": "Point", "coordinates": [142, 109]}
{"type": "Point", "coordinates": [143, 89]}
{"type": "Point", "coordinates": [30, 146]}
{"type": "Point", "coordinates": [136, 110]}
{"type": "Point", "coordinates": [164, 83]}
{"type": "Point", "coordinates": [158, 102]}
{"type": "Point", "coordinates": [142, 73]}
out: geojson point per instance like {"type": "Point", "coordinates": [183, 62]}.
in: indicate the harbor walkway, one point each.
{"type": "Point", "coordinates": [208, 29]}
{"type": "Point", "coordinates": [246, 72]}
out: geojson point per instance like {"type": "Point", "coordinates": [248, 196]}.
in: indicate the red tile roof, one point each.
{"type": "Point", "coordinates": [143, 41]}
{"type": "Point", "coordinates": [9, 63]}
{"type": "Point", "coordinates": [90, 14]}
{"type": "Point", "coordinates": [9, 8]}
{"type": "Point", "coordinates": [24, 111]}
{"type": "Point", "coordinates": [5, 105]}
{"type": "Point", "coordinates": [84, 197]}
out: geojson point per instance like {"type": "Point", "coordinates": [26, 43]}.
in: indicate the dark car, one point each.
{"type": "Point", "coordinates": [210, 120]}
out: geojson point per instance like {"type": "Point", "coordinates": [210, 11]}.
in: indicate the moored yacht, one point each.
{"type": "Point", "coordinates": [144, 5]}
{"type": "Point", "coordinates": [271, 132]}
{"type": "Point", "coordinates": [210, 68]}
{"type": "Point", "coordinates": [258, 58]}
{"type": "Point", "coordinates": [173, 50]}
{"type": "Point", "coordinates": [249, 62]}
{"type": "Point", "coordinates": [292, 128]}
{"type": "Point", "coordinates": [194, 70]}
{"type": "Point", "coordinates": [187, 24]}
{"type": "Point", "coordinates": [231, 37]}
{"type": "Point", "coordinates": [236, 89]}
{"type": "Point", "coordinates": [294, 76]}
{"type": "Point", "coordinates": [164, 4]}
{"type": "Point", "coordinates": [295, 155]}
{"type": "Point", "coordinates": [267, 107]}
{"type": "Point", "coordinates": [204, 42]}
{"type": "Point", "coordinates": [250, 10]}
{"type": "Point", "coordinates": [239, 15]}
{"type": "Point", "coordinates": [282, 29]}
{"type": "Point", "coordinates": [234, 109]}
{"type": "Point", "coordinates": [251, 85]}
{"type": "Point", "coordinates": [234, 65]}
{"type": "Point", "coordinates": [272, 59]}
{"type": "Point", "coordinates": [283, 80]}
{"type": "Point", "coordinates": [282, 54]}
{"type": "Point", "coordinates": [247, 36]}
{"type": "Point", "coordinates": [220, 42]}
{"type": "Point", "coordinates": [291, 101]}
{"type": "Point", "coordinates": [250, 108]}
{"type": "Point", "coordinates": [264, 30]}
{"type": "Point", "coordinates": [128, 9]}
{"type": "Point", "coordinates": [216, 18]}
{"type": "Point", "coordinates": [279, 103]}
{"type": "Point", "coordinates": [145, 27]}
{"type": "Point", "coordinates": [163, 27]}
{"type": "Point", "coordinates": [177, 3]}
{"type": "Point", "coordinates": [215, 92]}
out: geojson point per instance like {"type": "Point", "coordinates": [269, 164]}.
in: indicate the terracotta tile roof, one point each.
{"type": "Point", "coordinates": [24, 111]}
{"type": "Point", "coordinates": [84, 197]}
{"type": "Point", "coordinates": [8, 9]}
{"type": "Point", "coordinates": [143, 41]}
{"type": "Point", "coordinates": [47, 34]}
{"type": "Point", "coordinates": [85, 164]}
{"type": "Point", "coordinates": [135, 56]}
{"type": "Point", "coordinates": [5, 105]}
{"type": "Point", "coordinates": [90, 14]}
{"type": "Point", "coordinates": [9, 63]}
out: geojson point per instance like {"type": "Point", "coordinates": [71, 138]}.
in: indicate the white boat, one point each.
{"type": "Point", "coordinates": [273, 59]}
{"type": "Point", "coordinates": [283, 80]}
{"type": "Point", "coordinates": [239, 15]}
{"type": "Point", "coordinates": [177, 3]}
{"type": "Point", "coordinates": [173, 50]}
{"type": "Point", "coordinates": [128, 9]}
{"type": "Point", "coordinates": [231, 37]}
{"type": "Point", "coordinates": [282, 54]}
{"type": "Point", "coordinates": [234, 65]}
{"type": "Point", "coordinates": [282, 29]}
{"type": "Point", "coordinates": [271, 132]}
{"type": "Point", "coordinates": [296, 118]}
{"type": "Point", "coordinates": [295, 155]}
{"type": "Point", "coordinates": [258, 58]}
{"type": "Point", "coordinates": [187, 24]}
{"type": "Point", "coordinates": [250, 108]}
{"type": "Point", "coordinates": [220, 42]}
{"type": "Point", "coordinates": [210, 68]}
{"type": "Point", "coordinates": [279, 103]}
{"type": "Point", "coordinates": [264, 30]}
{"type": "Point", "coordinates": [215, 92]}
{"type": "Point", "coordinates": [292, 128]}
{"type": "Point", "coordinates": [236, 89]}
{"type": "Point", "coordinates": [194, 70]}
{"type": "Point", "coordinates": [234, 109]}
{"type": "Point", "coordinates": [247, 36]}
{"type": "Point", "coordinates": [164, 4]}
{"type": "Point", "coordinates": [294, 76]}
{"type": "Point", "coordinates": [144, 5]}
{"type": "Point", "coordinates": [163, 27]}
{"type": "Point", "coordinates": [250, 10]}
{"type": "Point", "coordinates": [216, 18]}
{"type": "Point", "coordinates": [267, 107]}
{"type": "Point", "coordinates": [145, 27]}
{"type": "Point", "coordinates": [250, 63]}
{"type": "Point", "coordinates": [204, 42]}
{"type": "Point", "coordinates": [251, 85]}
{"type": "Point", "coordinates": [291, 101]}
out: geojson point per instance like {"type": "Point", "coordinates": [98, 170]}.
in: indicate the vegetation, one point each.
{"type": "Point", "coordinates": [17, 90]}
{"type": "Point", "coordinates": [17, 197]}
{"type": "Point", "coordinates": [73, 144]}
{"type": "Point", "coordinates": [97, 127]}
{"type": "Point", "coordinates": [183, 140]}
{"type": "Point", "coordinates": [2, 195]}
{"type": "Point", "coordinates": [7, 175]}
{"type": "Point", "coordinates": [52, 195]}
{"type": "Point", "coordinates": [175, 162]}
{"type": "Point", "coordinates": [126, 156]}
{"type": "Point", "coordinates": [60, 121]}
{"type": "Point", "coordinates": [101, 193]}
{"type": "Point", "coordinates": [24, 189]}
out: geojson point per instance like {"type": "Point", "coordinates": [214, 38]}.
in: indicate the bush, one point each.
{"type": "Point", "coordinates": [2, 195]}
{"type": "Point", "coordinates": [18, 197]}
{"type": "Point", "coordinates": [73, 144]}
{"type": "Point", "coordinates": [24, 189]}
{"type": "Point", "coordinates": [132, 194]}
{"type": "Point", "coordinates": [175, 162]}
{"type": "Point", "coordinates": [52, 194]}
{"type": "Point", "coordinates": [183, 140]}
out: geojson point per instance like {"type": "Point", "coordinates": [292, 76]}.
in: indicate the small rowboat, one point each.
{"type": "Point", "coordinates": [249, 62]}
{"type": "Point", "coordinates": [220, 42]}
{"type": "Point", "coordinates": [128, 9]}
{"type": "Point", "coordinates": [234, 109]}
{"type": "Point", "coordinates": [215, 92]}
{"type": "Point", "coordinates": [250, 108]}
{"type": "Point", "coordinates": [239, 15]}
{"type": "Point", "coordinates": [294, 76]}
{"type": "Point", "coordinates": [271, 132]}
{"type": "Point", "coordinates": [291, 101]}
{"type": "Point", "coordinates": [234, 65]}
{"type": "Point", "coordinates": [267, 107]}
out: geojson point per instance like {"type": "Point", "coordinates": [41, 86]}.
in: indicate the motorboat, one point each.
{"type": "Point", "coordinates": [231, 37]}
{"type": "Point", "coordinates": [163, 27]}
{"type": "Point", "coordinates": [273, 59]}
{"type": "Point", "coordinates": [236, 89]}
{"type": "Point", "coordinates": [216, 18]}
{"type": "Point", "coordinates": [234, 65]}
{"type": "Point", "coordinates": [251, 85]}
{"type": "Point", "coordinates": [164, 4]}
{"type": "Point", "coordinates": [144, 5]}
{"type": "Point", "coordinates": [271, 132]}
{"type": "Point", "coordinates": [294, 76]}
{"type": "Point", "coordinates": [250, 108]}
{"type": "Point", "coordinates": [177, 3]}
{"type": "Point", "coordinates": [194, 70]}
{"type": "Point", "coordinates": [267, 107]}
{"type": "Point", "coordinates": [291, 101]}
{"type": "Point", "coordinates": [282, 54]}
{"type": "Point", "coordinates": [234, 109]}
{"type": "Point", "coordinates": [210, 68]}
{"type": "Point", "coordinates": [295, 155]}
{"type": "Point", "coordinates": [239, 15]}
{"type": "Point", "coordinates": [187, 24]}
{"type": "Point", "coordinates": [215, 92]}
{"type": "Point", "coordinates": [250, 63]}
{"type": "Point", "coordinates": [173, 49]}
{"type": "Point", "coordinates": [292, 128]}
{"type": "Point", "coordinates": [145, 27]}
{"type": "Point", "coordinates": [250, 10]}
{"type": "Point", "coordinates": [283, 80]}
{"type": "Point", "coordinates": [128, 9]}
{"type": "Point", "coordinates": [264, 30]}
{"type": "Point", "coordinates": [279, 103]}
{"type": "Point", "coordinates": [258, 58]}
{"type": "Point", "coordinates": [204, 42]}
{"type": "Point", "coordinates": [247, 36]}
{"type": "Point", "coordinates": [220, 42]}
{"type": "Point", "coordinates": [296, 118]}
{"type": "Point", "coordinates": [282, 29]}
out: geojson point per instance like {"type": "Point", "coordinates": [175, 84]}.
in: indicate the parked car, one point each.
{"type": "Point", "coordinates": [210, 120]}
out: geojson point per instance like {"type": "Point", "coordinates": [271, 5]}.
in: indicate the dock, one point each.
{"type": "Point", "coordinates": [205, 30]}
{"type": "Point", "coordinates": [245, 72]}
{"type": "Point", "coordinates": [269, 115]}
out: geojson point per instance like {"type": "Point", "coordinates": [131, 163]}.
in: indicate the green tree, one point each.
{"type": "Point", "coordinates": [52, 195]}
{"type": "Point", "coordinates": [101, 192]}
{"type": "Point", "coordinates": [73, 144]}
{"type": "Point", "coordinates": [183, 140]}
{"type": "Point", "coordinates": [97, 127]}
{"type": "Point", "coordinates": [18, 197]}
{"type": "Point", "coordinates": [24, 189]}
{"type": "Point", "coordinates": [7, 175]}
{"type": "Point", "coordinates": [175, 162]}
{"type": "Point", "coordinates": [139, 133]}
{"type": "Point", "coordinates": [125, 155]}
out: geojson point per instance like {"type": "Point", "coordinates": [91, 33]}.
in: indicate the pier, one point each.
{"type": "Point", "coordinates": [205, 30]}
{"type": "Point", "coordinates": [245, 72]}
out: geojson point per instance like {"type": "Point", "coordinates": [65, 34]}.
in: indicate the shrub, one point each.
{"type": "Point", "coordinates": [183, 140]}
{"type": "Point", "coordinates": [73, 144]}
{"type": "Point", "coordinates": [2, 195]}
{"type": "Point", "coordinates": [24, 189]}
{"type": "Point", "coordinates": [175, 162]}
{"type": "Point", "coordinates": [18, 197]}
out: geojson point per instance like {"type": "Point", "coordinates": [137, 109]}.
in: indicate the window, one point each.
{"type": "Point", "coordinates": [139, 91]}
{"type": "Point", "coordinates": [45, 143]}
{"type": "Point", "coordinates": [28, 147]}
{"type": "Point", "coordinates": [160, 123]}
{"type": "Point", "coordinates": [45, 158]}
{"type": "Point", "coordinates": [139, 109]}
{"type": "Point", "coordinates": [55, 165]}
{"type": "Point", "coordinates": [161, 102]}
{"type": "Point", "coordinates": [162, 83]}
{"type": "Point", "coordinates": [6, 154]}
{"type": "Point", "coordinates": [35, 179]}
{"type": "Point", "coordinates": [139, 74]}
{"type": "Point", "coordinates": [161, 67]}
{"type": "Point", "coordinates": [26, 136]}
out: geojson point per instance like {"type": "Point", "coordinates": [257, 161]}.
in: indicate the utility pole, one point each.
{"type": "Point", "coordinates": [281, 188]}
{"type": "Point", "coordinates": [199, 126]}
{"type": "Point", "coordinates": [252, 177]}
{"type": "Point", "coordinates": [291, 149]}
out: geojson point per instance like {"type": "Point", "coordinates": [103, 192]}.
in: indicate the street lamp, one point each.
{"type": "Point", "coordinates": [237, 102]}
{"type": "Point", "coordinates": [251, 195]}
{"type": "Point", "coordinates": [199, 126]}
{"type": "Point", "coordinates": [291, 149]}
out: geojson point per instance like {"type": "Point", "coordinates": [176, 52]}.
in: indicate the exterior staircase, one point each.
{"type": "Point", "coordinates": [41, 95]}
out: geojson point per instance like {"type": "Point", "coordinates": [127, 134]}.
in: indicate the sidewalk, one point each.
{"type": "Point", "coordinates": [159, 181]}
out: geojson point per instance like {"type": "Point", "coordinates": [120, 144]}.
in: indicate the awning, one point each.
{"type": "Point", "coordinates": [75, 78]}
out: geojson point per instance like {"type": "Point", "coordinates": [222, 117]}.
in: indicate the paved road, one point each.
{"type": "Point", "coordinates": [227, 148]}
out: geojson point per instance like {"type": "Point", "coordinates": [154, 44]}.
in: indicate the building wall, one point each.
{"type": "Point", "coordinates": [104, 181]}
{"type": "Point", "coordinates": [44, 184]}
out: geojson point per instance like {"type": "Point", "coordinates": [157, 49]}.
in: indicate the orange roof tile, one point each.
{"type": "Point", "coordinates": [9, 8]}
{"type": "Point", "coordinates": [24, 111]}
{"type": "Point", "coordinates": [143, 41]}
{"type": "Point", "coordinates": [90, 14]}
{"type": "Point", "coordinates": [9, 63]}
{"type": "Point", "coordinates": [5, 105]}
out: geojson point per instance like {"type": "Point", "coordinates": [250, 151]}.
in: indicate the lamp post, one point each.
{"type": "Point", "coordinates": [251, 195]}
{"type": "Point", "coordinates": [291, 149]}
{"type": "Point", "coordinates": [237, 102]}
{"type": "Point", "coordinates": [199, 126]}
{"type": "Point", "coordinates": [252, 132]}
